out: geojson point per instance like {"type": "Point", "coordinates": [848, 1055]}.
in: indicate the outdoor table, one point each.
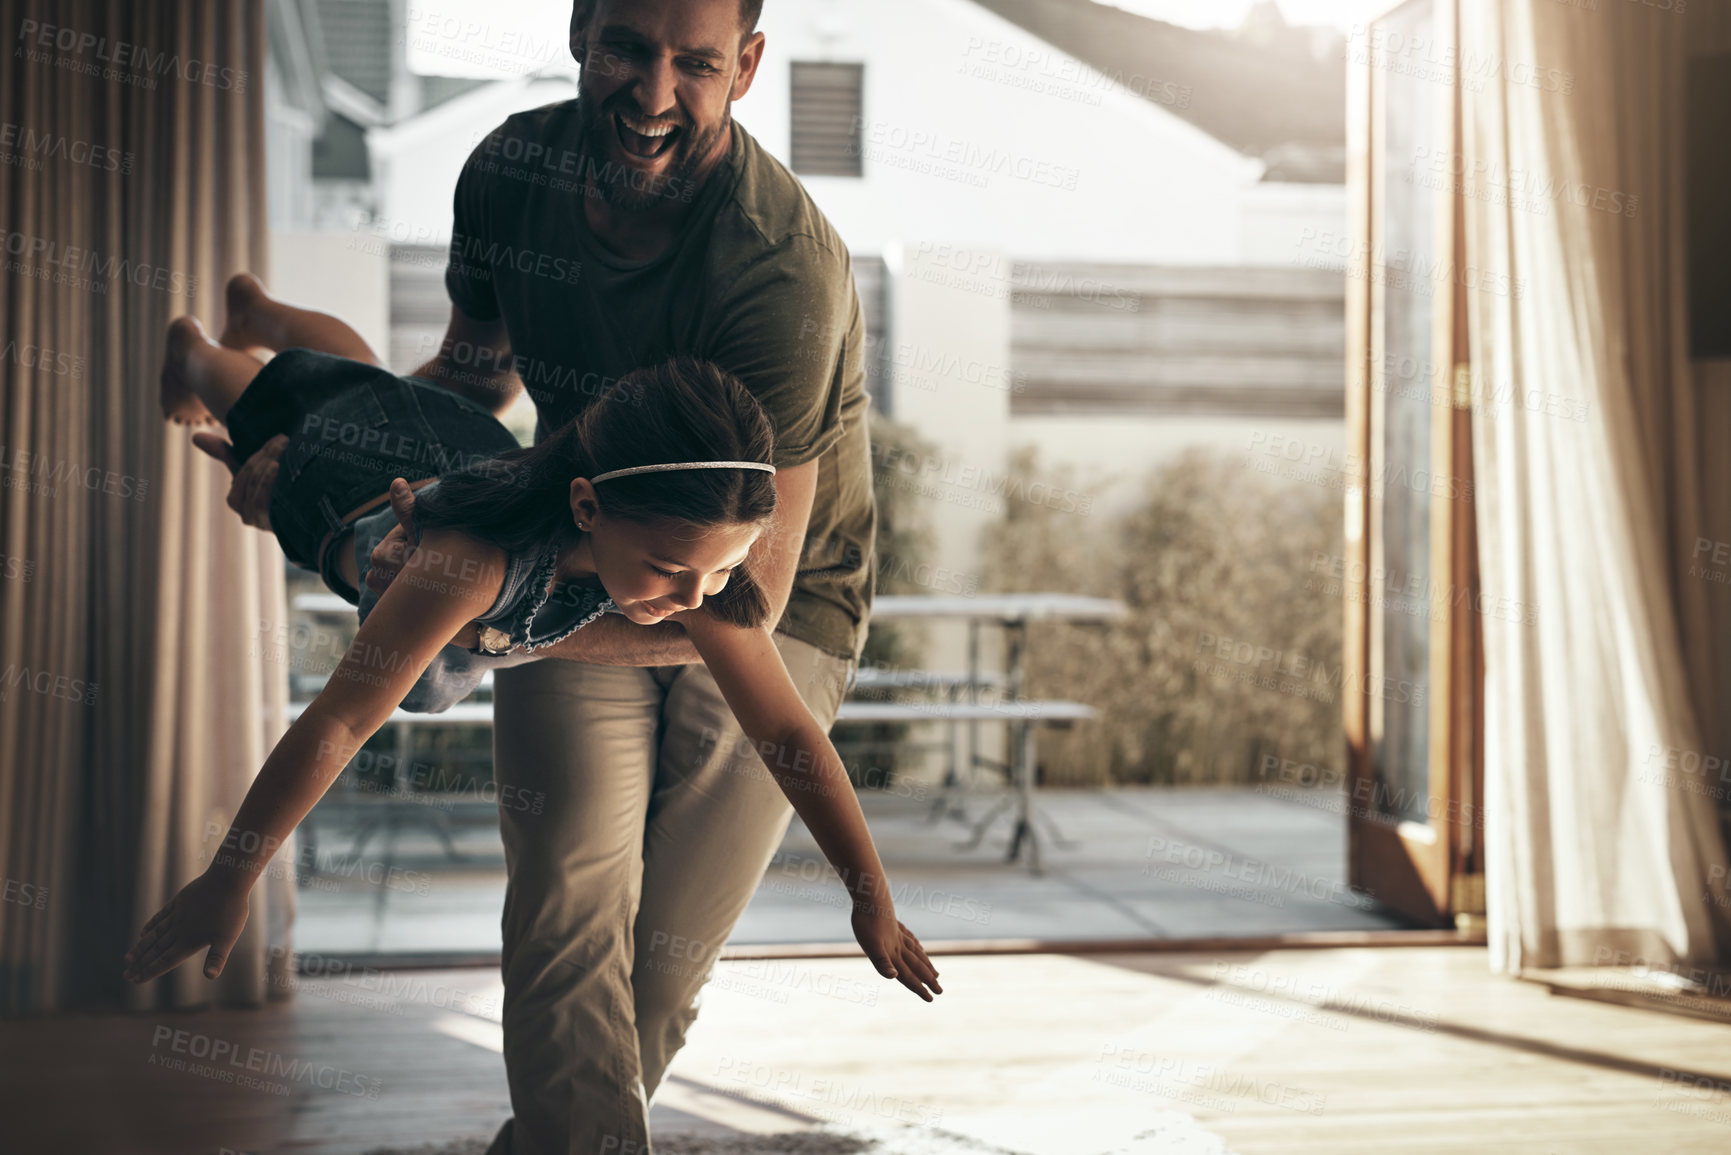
{"type": "Point", "coordinates": [1012, 613]}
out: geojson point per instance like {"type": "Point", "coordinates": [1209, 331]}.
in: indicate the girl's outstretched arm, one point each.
{"type": "Point", "coordinates": [754, 680]}
{"type": "Point", "coordinates": [411, 623]}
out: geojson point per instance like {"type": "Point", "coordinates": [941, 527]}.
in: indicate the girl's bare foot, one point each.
{"type": "Point", "coordinates": [179, 403]}
{"type": "Point", "coordinates": [242, 297]}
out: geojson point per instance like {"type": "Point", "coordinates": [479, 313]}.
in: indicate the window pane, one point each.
{"type": "Point", "coordinates": [1400, 473]}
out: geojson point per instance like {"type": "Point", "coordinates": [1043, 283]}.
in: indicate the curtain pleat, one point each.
{"type": "Point", "coordinates": [143, 586]}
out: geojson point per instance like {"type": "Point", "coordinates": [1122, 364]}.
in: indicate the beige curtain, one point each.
{"type": "Point", "coordinates": [136, 699]}
{"type": "Point", "coordinates": [1602, 844]}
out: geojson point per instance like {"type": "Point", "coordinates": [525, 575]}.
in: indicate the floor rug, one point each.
{"type": "Point", "coordinates": [1172, 1133]}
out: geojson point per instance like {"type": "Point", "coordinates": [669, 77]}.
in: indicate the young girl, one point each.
{"type": "Point", "coordinates": [645, 505]}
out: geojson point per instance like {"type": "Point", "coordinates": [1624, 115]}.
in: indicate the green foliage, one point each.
{"type": "Point", "coordinates": [902, 532]}
{"type": "Point", "coordinates": [1210, 550]}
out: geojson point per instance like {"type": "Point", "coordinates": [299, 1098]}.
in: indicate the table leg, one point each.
{"type": "Point", "coordinates": [1015, 654]}
{"type": "Point", "coordinates": [946, 804]}
{"type": "Point", "coordinates": [1025, 801]}
{"type": "Point", "coordinates": [386, 816]}
{"type": "Point", "coordinates": [973, 695]}
{"type": "Point", "coordinates": [1015, 645]}
{"type": "Point", "coordinates": [980, 827]}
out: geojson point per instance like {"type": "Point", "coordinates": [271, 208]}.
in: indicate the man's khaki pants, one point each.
{"type": "Point", "coordinates": [637, 822]}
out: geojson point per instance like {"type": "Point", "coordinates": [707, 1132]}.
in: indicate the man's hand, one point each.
{"type": "Point", "coordinates": [389, 555]}
{"type": "Point", "coordinates": [249, 493]}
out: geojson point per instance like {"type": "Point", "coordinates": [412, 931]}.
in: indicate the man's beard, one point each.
{"type": "Point", "coordinates": [627, 189]}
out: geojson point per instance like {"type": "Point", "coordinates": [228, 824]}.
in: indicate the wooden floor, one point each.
{"type": "Point", "coordinates": [1315, 1051]}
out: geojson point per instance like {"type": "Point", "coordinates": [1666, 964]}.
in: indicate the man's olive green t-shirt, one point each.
{"type": "Point", "coordinates": [756, 280]}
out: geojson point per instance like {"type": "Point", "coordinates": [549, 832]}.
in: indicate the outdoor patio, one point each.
{"type": "Point", "coordinates": [1141, 863]}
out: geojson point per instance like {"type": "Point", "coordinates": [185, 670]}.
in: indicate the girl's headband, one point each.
{"type": "Point", "coordinates": [763, 465]}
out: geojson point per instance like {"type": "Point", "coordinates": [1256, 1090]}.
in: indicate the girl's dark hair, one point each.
{"type": "Point", "coordinates": [682, 410]}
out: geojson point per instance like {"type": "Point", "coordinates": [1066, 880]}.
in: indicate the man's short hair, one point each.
{"type": "Point", "coordinates": [749, 11]}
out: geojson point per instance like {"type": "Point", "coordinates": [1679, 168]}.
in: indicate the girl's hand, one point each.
{"type": "Point", "coordinates": [893, 949]}
{"type": "Point", "coordinates": [209, 911]}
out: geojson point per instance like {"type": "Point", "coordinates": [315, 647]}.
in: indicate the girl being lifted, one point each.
{"type": "Point", "coordinates": [646, 505]}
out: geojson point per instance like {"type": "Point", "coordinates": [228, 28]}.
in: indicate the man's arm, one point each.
{"type": "Point", "coordinates": [612, 640]}
{"type": "Point", "coordinates": [483, 373]}
{"type": "Point", "coordinates": [775, 555]}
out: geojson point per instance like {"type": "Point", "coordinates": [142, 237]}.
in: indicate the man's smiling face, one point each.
{"type": "Point", "coordinates": [658, 79]}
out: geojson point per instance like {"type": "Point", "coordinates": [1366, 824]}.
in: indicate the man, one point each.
{"type": "Point", "coordinates": [591, 237]}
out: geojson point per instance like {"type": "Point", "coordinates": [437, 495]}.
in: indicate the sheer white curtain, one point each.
{"type": "Point", "coordinates": [1603, 829]}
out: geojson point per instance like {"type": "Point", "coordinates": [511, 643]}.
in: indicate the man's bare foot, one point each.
{"type": "Point", "coordinates": [179, 403]}
{"type": "Point", "coordinates": [240, 330]}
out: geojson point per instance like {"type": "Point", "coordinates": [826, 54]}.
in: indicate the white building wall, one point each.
{"type": "Point", "coordinates": [949, 377]}
{"type": "Point", "coordinates": [416, 163]}
{"type": "Point", "coordinates": [288, 141]}
{"type": "Point", "coordinates": [1280, 219]}
{"type": "Point", "coordinates": [978, 134]}
{"type": "Point", "coordinates": [338, 273]}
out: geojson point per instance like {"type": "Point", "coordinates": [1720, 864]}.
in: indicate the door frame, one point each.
{"type": "Point", "coordinates": [1429, 873]}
